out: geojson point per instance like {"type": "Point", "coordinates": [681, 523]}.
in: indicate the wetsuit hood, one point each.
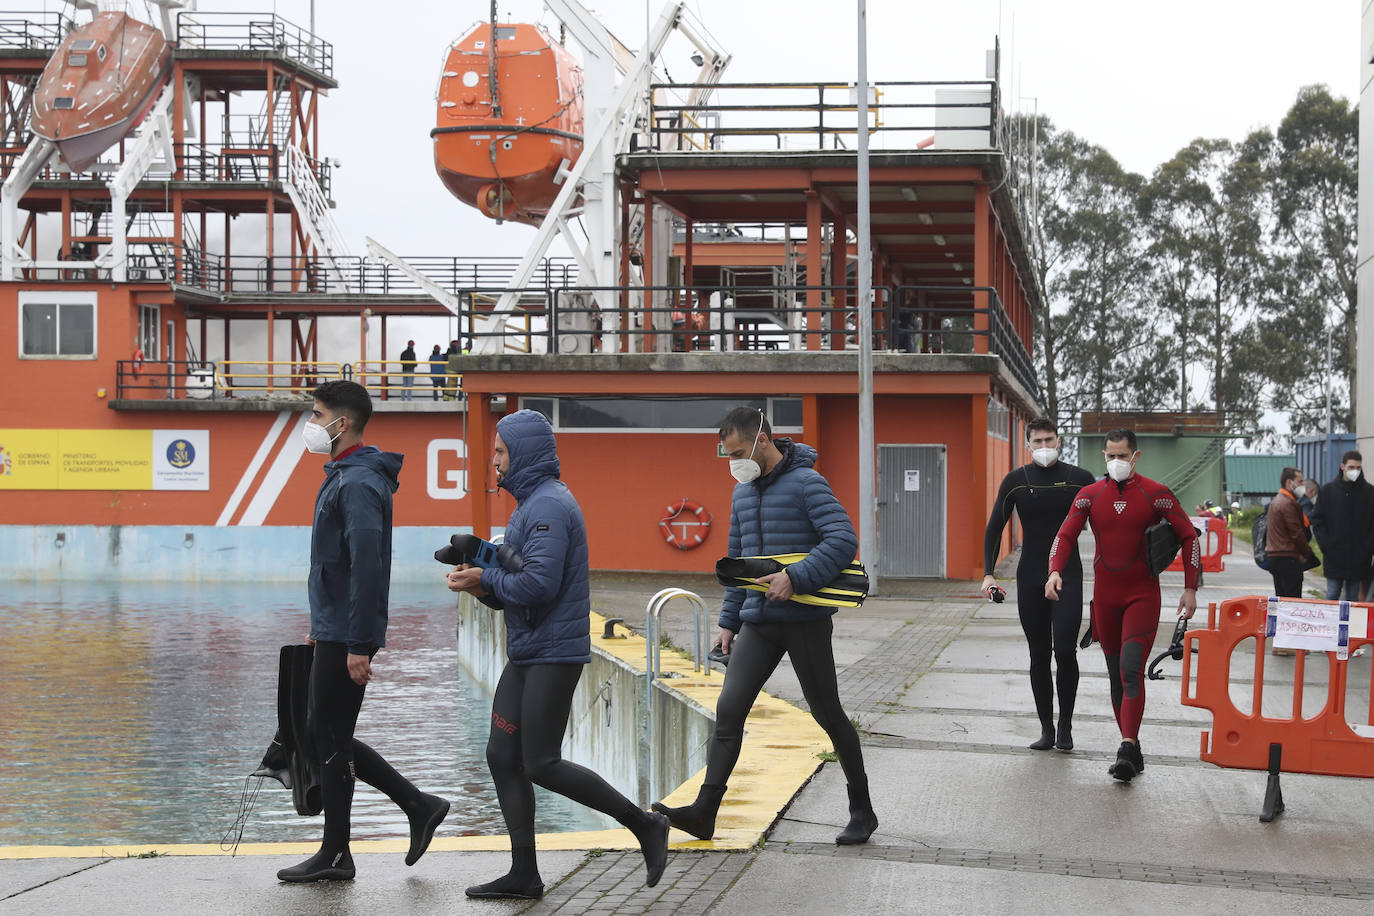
{"type": "Point", "coordinates": [533, 451]}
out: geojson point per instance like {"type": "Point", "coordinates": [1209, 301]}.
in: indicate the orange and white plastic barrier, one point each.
{"type": "Point", "coordinates": [1214, 544]}
{"type": "Point", "coordinates": [1304, 737]}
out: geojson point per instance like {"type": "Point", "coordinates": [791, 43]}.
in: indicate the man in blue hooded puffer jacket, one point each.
{"type": "Point", "coordinates": [781, 505]}
{"type": "Point", "coordinates": [547, 605]}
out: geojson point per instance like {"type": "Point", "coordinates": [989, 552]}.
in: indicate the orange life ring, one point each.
{"type": "Point", "coordinates": [691, 530]}
{"type": "Point", "coordinates": [138, 360]}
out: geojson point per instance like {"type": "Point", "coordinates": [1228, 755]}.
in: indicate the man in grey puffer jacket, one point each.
{"type": "Point", "coordinates": [780, 506]}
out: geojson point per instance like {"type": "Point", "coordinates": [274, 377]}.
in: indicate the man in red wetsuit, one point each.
{"type": "Point", "coordinates": [1125, 604]}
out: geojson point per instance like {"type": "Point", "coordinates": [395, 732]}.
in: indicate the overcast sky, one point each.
{"type": "Point", "coordinates": [1140, 79]}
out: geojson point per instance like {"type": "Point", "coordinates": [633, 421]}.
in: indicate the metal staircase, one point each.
{"type": "Point", "coordinates": [312, 207]}
{"type": "Point", "coordinates": [273, 121]}
{"type": "Point", "coordinates": [1183, 475]}
{"type": "Point", "coordinates": [153, 144]}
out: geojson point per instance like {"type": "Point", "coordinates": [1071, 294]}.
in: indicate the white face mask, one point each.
{"type": "Point", "coordinates": [1118, 470]}
{"type": "Point", "coordinates": [1352, 474]}
{"type": "Point", "coordinates": [1044, 456]}
{"type": "Point", "coordinates": [746, 469]}
{"type": "Point", "coordinates": [317, 438]}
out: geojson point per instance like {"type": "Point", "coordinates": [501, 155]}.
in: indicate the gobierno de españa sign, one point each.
{"type": "Point", "coordinates": [104, 459]}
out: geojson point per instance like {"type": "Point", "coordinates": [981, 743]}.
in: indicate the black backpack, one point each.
{"type": "Point", "coordinates": [1259, 531]}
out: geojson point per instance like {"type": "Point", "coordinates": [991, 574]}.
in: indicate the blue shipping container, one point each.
{"type": "Point", "coordinates": [1319, 456]}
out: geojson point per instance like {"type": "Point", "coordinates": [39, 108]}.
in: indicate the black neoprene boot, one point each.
{"type": "Point", "coordinates": [522, 882]}
{"type": "Point", "coordinates": [1045, 741]}
{"type": "Point", "coordinates": [1063, 739]}
{"type": "Point", "coordinates": [1137, 757]}
{"type": "Point", "coordinates": [862, 820]}
{"type": "Point", "coordinates": [325, 865]}
{"type": "Point", "coordinates": [651, 829]}
{"type": "Point", "coordinates": [425, 817]}
{"type": "Point", "coordinates": [698, 818]}
{"type": "Point", "coordinates": [1123, 768]}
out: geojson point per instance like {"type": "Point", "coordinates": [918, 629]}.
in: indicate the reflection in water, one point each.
{"type": "Point", "coordinates": [133, 712]}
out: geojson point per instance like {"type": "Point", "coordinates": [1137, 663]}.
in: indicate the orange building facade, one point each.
{"type": "Point", "coordinates": [167, 399]}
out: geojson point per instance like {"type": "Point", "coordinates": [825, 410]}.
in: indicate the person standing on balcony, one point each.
{"type": "Point", "coordinates": [438, 368]}
{"type": "Point", "coordinates": [408, 372]}
{"type": "Point", "coordinates": [1344, 525]}
{"type": "Point", "coordinates": [780, 506]}
{"type": "Point", "coordinates": [1126, 604]}
{"type": "Point", "coordinates": [1041, 494]}
{"type": "Point", "coordinates": [547, 607]}
{"type": "Point", "coordinates": [350, 573]}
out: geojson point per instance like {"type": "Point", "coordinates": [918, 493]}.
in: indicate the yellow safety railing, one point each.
{"type": "Point", "coordinates": [387, 379]}
{"type": "Point", "coordinates": [245, 376]}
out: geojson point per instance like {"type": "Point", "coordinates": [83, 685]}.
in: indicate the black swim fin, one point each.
{"type": "Point", "coordinates": [275, 763]}
{"type": "Point", "coordinates": [469, 548]}
{"type": "Point", "coordinates": [848, 589]}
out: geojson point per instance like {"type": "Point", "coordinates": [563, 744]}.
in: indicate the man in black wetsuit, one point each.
{"type": "Point", "coordinates": [350, 576]}
{"type": "Point", "coordinates": [1041, 493]}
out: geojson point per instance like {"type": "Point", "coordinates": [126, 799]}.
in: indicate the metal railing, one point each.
{"type": "Point", "coordinates": [364, 276]}
{"type": "Point", "coordinates": [701, 637]}
{"type": "Point", "coordinates": [389, 379]}
{"type": "Point", "coordinates": [653, 661]}
{"type": "Point", "coordinates": [36, 30]}
{"type": "Point", "coordinates": [249, 377]}
{"type": "Point", "coordinates": [164, 379]}
{"type": "Point", "coordinates": [195, 161]}
{"type": "Point", "coordinates": [211, 31]}
{"type": "Point", "coordinates": [820, 116]}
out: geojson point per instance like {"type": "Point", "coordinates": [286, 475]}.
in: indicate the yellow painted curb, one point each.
{"type": "Point", "coordinates": [781, 753]}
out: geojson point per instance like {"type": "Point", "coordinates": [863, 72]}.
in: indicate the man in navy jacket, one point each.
{"type": "Point", "coordinates": [547, 608]}
{"type": "Point", "coordinates": [780, 506]}
{"type": "Point", "coordinates": [350, 574]}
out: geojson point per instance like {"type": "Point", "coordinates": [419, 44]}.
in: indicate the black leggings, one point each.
{"type": "Point", "coordinates": [754, 656]}
{"type": "Point", "coordinates": [335, 701]}
{"type": "Point", "coordinates": [529, 715]}
{"type": "Point", "coordinates": [1051, 628]}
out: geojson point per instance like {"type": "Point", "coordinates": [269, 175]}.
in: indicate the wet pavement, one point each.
{"type": "Point", "coordinates": [971, 820]}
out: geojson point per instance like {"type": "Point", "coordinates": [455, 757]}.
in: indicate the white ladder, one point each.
{"type": "Point", "coordinates": [313, 209]}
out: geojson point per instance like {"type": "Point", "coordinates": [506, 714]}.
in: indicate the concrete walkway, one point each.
{"type": "Point", "coordinates": [972, 821]}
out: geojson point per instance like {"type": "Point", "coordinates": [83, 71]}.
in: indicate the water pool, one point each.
{"type": "Point", "coordinates": [132, 713]}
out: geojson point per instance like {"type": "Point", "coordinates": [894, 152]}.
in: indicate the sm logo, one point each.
{"type": "Point", "coordinates": [446, 476]}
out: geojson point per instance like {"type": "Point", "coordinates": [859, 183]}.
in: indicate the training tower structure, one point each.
{"type": "Point", "coordinates": [222, 185]}
{"type": "Point", "coordinates": [712, 227]}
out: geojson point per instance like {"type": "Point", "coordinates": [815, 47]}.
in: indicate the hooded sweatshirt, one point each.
{"type": "Point", "coordinates": [350, 549]}
{"type": "Point", "coordinates": [547, 604]}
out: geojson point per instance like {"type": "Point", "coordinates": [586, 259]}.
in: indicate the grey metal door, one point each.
{"type": "Point", "coordinates": [911, 511]}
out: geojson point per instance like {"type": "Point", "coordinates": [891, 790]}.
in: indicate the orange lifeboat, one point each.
{"type": "Point", "coordinates": [98, 85]}
{"type": "Point", "coordinates": [499, 142]}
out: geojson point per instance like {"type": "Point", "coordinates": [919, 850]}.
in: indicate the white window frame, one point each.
{"type": "Point", "coordinates": [781, 430]}
{"type": "Point", "coordinates": [58, 298]}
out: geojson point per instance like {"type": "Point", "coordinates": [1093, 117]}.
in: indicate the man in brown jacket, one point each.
{"type": "Point", "coordinates": [1286, 538]}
